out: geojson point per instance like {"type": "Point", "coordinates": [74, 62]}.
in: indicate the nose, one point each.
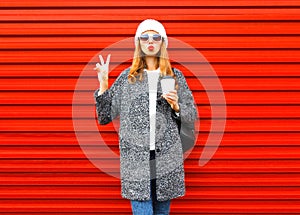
{"type": "Point", "coordinates": [150, 40]}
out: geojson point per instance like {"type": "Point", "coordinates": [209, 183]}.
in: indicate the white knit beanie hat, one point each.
{"type": "Point", "coordinates": [150, 24]}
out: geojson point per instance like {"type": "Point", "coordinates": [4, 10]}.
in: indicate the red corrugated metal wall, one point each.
{"type": "Point", "coordinates": [252, 45]}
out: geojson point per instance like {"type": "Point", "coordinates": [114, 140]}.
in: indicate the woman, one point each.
{"type": "Point", "coordinates": [151, 155]}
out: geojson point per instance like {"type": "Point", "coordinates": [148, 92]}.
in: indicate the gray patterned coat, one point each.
{"type": "Point", "coordinates": [131, 103]}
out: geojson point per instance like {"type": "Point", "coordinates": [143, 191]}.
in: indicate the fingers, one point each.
{"type": "Point", "coordinates": [171, 103]}
{"type": "Point", "coordinates": [172, 95]}
{"type": "Point", "coordinates": [172, 98]}
{"type": "Point", "coordinates": [97, 66]}
{"type": "Point", "coordinates": [102, 66]}
{"type": "Point", "coordinates": [101, 60]}
{"type": "Point", "coordinates": [107, 60]}
{"type": "Point", "coordinates": [173, 91]}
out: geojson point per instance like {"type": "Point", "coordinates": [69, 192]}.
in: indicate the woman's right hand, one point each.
{"type": "Point", "coordinates": [102, 69]}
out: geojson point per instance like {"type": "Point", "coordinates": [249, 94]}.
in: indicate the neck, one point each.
{"type": "Point", "coordinates": [151, 62]}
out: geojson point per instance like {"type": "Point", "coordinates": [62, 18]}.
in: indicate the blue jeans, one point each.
{"type": "Point", "coordinates": [152, 206]}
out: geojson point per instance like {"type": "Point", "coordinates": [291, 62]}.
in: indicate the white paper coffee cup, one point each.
{"type": "Point", "coordinates": [167, 84]}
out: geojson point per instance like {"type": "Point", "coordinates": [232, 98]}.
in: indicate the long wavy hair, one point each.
{"type": "Point", "coordinates": [139, 63]}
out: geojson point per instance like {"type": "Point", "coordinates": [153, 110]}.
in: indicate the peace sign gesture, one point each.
{"type": "Point", "coordinates": [102, 68]}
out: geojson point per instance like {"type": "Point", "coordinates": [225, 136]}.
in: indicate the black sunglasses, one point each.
{"type": "Point", "coordinates": [155, 37]}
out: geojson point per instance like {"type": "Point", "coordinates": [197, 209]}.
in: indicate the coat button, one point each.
{"type": "Point", "coordinates": [157, 150]}
{"type": "Point", "coordinates": [159, 102]}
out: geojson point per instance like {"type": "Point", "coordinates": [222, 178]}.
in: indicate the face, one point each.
{"type": "Point", "coordinates": [151, 46]}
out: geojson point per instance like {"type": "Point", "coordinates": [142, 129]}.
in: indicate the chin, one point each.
{"type": "Point", "coordinates": [151, 54]}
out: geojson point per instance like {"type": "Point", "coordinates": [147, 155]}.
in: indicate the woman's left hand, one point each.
{"type": "Point", "coordinates": [172, 99]}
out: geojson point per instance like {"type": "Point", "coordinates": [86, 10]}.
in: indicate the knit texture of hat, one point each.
{"type": "Point", "coordinates": [148, 25]}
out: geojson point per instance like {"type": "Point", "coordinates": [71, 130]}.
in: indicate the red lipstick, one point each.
{"type": "Point", "coordinates": [150, 48]}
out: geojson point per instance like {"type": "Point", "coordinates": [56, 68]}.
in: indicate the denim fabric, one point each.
{"type": "Point", "coordinates": [152, 206]}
